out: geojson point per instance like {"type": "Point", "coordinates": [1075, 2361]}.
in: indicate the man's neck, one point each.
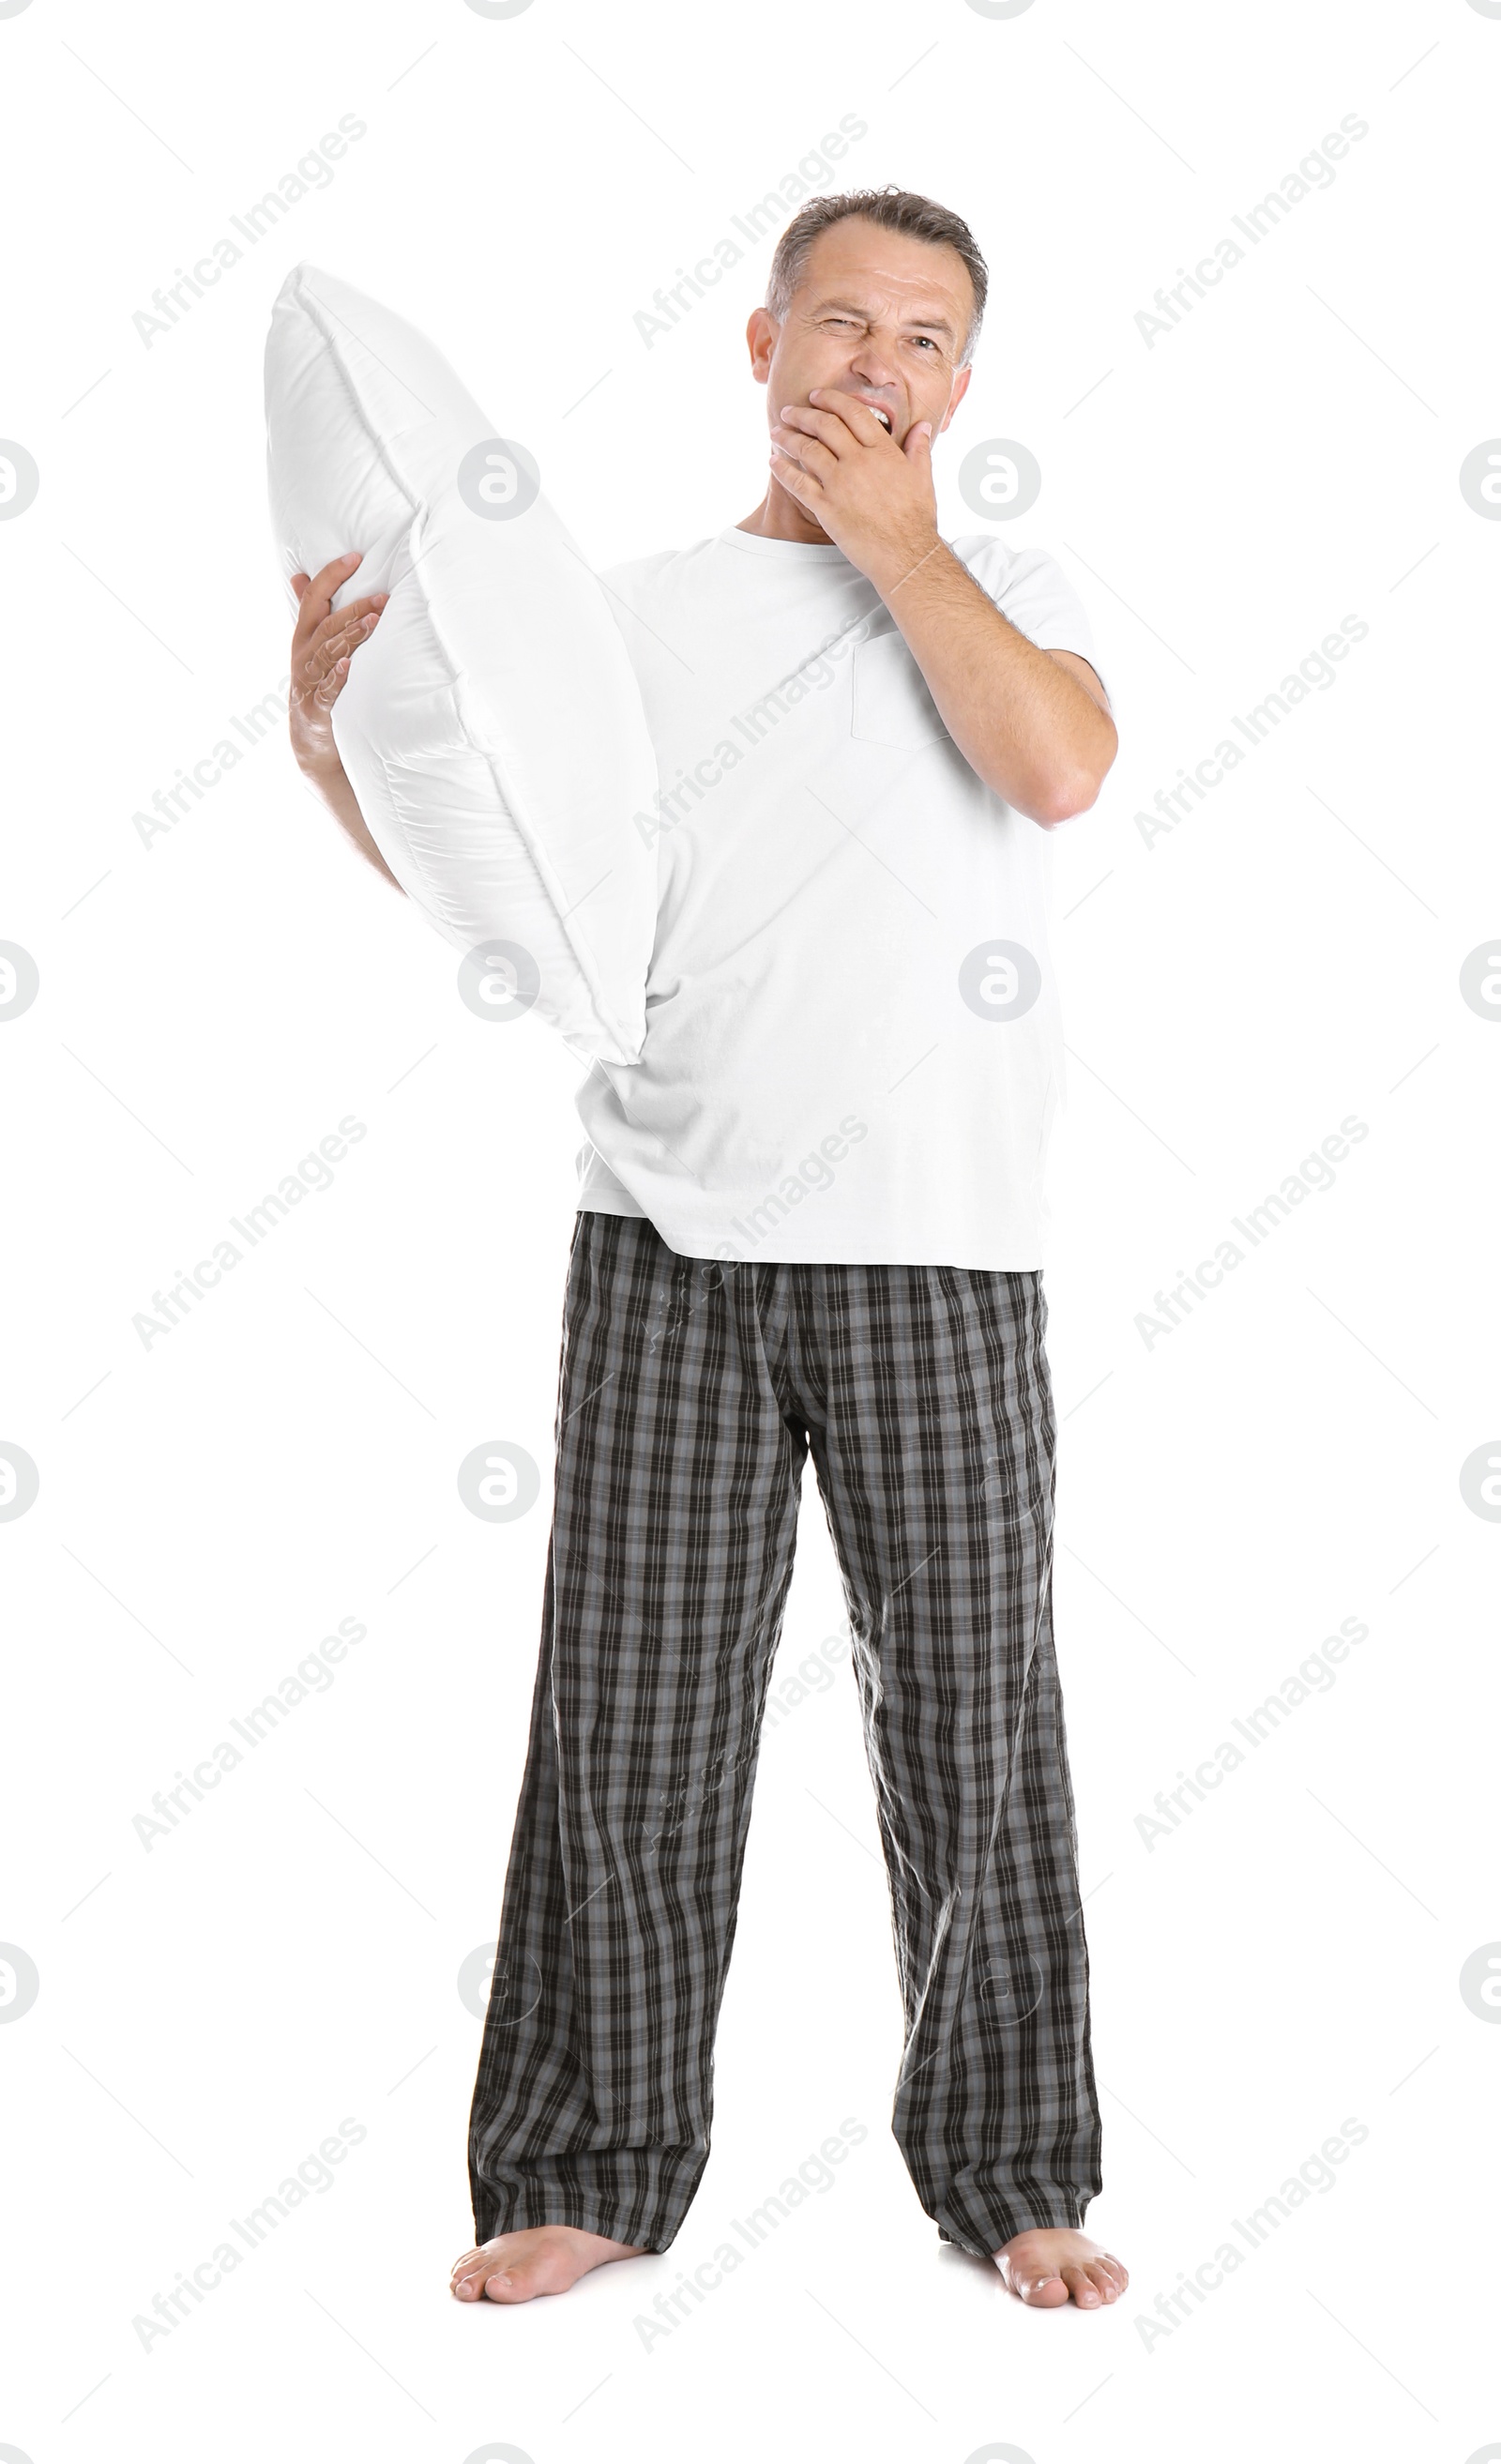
{"type": "Point", "coordinates": [779, 517]}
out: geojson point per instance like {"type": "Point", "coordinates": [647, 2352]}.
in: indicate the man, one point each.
{"type": "Point", "coordinates": [809, 1220]}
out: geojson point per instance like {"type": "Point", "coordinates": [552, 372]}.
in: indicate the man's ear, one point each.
{"type": "Point", "coordinates": [761, 332]}
{"type": "Point", "coordinates": [961, 389]}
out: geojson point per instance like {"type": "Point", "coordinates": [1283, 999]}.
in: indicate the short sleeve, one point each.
{"type": "Point", "coordinates": [1034, 593]}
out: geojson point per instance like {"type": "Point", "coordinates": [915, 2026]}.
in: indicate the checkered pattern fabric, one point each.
{"type": "Point", "coordinates": [690, 1395]}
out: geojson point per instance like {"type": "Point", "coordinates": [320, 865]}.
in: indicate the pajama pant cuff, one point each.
{"type": "Point", "coordinates": [519, 2214]}
{"type": "Point", "coordinates": [983, 2238]}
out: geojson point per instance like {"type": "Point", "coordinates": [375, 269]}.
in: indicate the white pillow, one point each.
{"type": "Point", "coordinates": [491, 726]}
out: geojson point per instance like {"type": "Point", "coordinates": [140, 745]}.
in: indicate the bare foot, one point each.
{"type": "Point", "coordinates": [543, 2259]}
{"type": "Point", "coordinates": [1051, 2267]}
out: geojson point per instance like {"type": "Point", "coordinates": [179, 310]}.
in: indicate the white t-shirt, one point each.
{"type": "Point", "coordinates": [853, 1047]}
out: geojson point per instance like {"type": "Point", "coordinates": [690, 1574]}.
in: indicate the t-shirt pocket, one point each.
{"type": "Point", "coordinates": [892, 704]}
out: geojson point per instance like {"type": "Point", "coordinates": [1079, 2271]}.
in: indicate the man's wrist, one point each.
{"type": "Point", "coordinates": [898, 562]}
{"type": "Point", "coordinates": [319, 767]}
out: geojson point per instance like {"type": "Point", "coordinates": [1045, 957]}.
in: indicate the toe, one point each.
{"type": "Point", "coordinates": [543, 2269]}
{"type": "Point", "coordinates": [1041, 2290]}
{"type": "Point", "coordinates": [1103, 2280]}
{"type": "Point", "coordinates": [467, 2279]}
{"type": "Point", "coordinates": [1084, 2294]}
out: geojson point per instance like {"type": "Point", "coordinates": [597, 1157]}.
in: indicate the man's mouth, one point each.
{"type": "Point", "coordinates": [885, 416]}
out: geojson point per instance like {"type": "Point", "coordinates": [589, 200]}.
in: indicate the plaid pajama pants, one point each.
{"type": "Point", "coordinates": [690, 1395]}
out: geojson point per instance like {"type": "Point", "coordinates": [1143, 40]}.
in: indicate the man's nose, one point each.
{"type": "Point", "coordinates": [874, 364]}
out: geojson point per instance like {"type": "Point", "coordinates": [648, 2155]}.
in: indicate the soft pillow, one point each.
{"type": "Point", "coordinates": [491, 726]}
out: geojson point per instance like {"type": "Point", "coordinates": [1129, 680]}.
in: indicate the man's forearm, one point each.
{"type": "Point", "coordinates": [1021, 721]}
{"type": "Point", "coordinates": [334, 787]}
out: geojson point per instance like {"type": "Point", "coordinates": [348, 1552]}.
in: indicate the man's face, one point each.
{"type": "Point", "coordinates": [877, 315]}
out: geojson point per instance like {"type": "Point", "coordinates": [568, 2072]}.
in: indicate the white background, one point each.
{"type": "Point", "coordinates": [211, 1004]}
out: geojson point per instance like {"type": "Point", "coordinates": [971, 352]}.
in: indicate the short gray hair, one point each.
{"type": "Point", "coordinates": [890, 208]}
